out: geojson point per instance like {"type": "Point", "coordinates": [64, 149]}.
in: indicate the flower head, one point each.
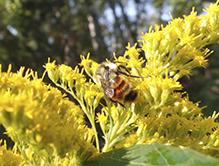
{"type": "Point", "coordinates": [10, 157]}
{"type": "Point", "coordinates": [44, 118]}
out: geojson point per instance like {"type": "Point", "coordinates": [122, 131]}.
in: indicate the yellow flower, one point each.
{"type": "Point", "coordinates": [128, 141]}
{"type": "Point", "coordinates": [102, 119]}
{"type": "Point", "coordinates": [179, 46]}
{"type": "Point", "coordinates": [180, 124]}
{"type": "Point", "coordinates": [44, 118]}
{"type": "Point", "coordinates": [90, 67]}
{"type": "Point", "coordinates": [212, 15]}
{"type": "Point", "coordinates": [10, 157]}
{"type": "Point", "coordinates": [87, 94]}
{"type": "Point", "coordinates": [157, 90]}
{"type": "Point", "coordinates": [51, 69]}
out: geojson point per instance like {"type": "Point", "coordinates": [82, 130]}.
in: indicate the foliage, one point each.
{"type": "Point", "coordinates": [51, 130]}
{"type": "Point", "coordinates": [152, 154]}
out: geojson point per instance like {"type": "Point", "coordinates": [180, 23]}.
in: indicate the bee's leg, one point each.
{"type": "Point", "coordinates": [122, 66]}
{"type": "Point", "coordinates": [118, 102]}
{"type": "Point", "coordinates": [128, 75]}
{"type": "Point", "coordinates": [128, 72]}
{"type": "Point", "coordinates": [121, 104]}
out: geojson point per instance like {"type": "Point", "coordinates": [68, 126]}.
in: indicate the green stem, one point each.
{"type": "Point", "coordinates": [107, 137]}
{"type": "Point", "coordinates": [113, 134]}
{"type": "Point", "coordinates": [92, 121]}
{"type": "Point", "coordinates": [119, 130]}
{"type": "Point", "coordinates": [106, 146]}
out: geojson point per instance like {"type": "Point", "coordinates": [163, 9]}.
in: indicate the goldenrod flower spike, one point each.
{"type": "Point", "coordinates": [179, 45]}
{"type": "Point", "coordinates": [10, 157]}
{"type": "Point", "coordinates": [74, 82]}
{"type": "Point", "coordinates": [42, 117]}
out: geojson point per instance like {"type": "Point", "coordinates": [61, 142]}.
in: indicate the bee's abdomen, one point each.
{"type": "Point", "coordinates": [122, 90]}
{"type": "Point", "coordinates": [131, 96]}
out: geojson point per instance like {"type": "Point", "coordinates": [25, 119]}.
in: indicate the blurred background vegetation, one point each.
{"type": "Point", "coordinates": [33, 30]}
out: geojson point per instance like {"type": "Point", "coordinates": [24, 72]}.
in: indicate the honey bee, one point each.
{"type": "Point", "coordinates": [115, 86]}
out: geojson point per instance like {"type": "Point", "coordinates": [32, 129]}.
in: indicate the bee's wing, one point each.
{"type": "Point", "coordinates": [107, 88]}
{"type": "Point", "coordinates": [106, 84]}
{"type": "Point", "coordinates": [109, 92]}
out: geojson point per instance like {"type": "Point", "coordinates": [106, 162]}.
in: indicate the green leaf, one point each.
{"type": "Point", "coordinates": [154, 154]}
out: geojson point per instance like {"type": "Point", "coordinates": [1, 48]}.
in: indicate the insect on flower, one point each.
{"type": "Point", "coordinates": [115, 86]}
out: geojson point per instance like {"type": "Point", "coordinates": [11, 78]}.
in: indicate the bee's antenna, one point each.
{"type": "Point", "coordinates": [114, 55]}
{"type": "Point", "coordinates": [127, 73]}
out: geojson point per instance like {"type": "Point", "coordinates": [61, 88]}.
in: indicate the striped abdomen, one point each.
{"type": "Point", "coordinates": [122, 89]}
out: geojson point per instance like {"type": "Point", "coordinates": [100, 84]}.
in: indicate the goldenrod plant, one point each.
{"type": "Point", "coordinates": [10, 157]}
{"type": "Point", "coordinates": [49, 129]}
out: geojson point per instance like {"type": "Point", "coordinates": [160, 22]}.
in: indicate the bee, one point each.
{"type": "Point", "coordinates": [115, 86]}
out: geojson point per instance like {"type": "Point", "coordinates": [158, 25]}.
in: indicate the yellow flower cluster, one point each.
{"type": "Point", "coordinates": [178, 47]}
{"type": "Point", "coordinates": [115, 122]}
{"type": "Point", "coordinates": [39, 115]}
{"type": "Point", "coordinates": [10, 157]}
{"type": "Point", "coordinates": [181, 124]}
{"type": "Point", "coordinates": [74, 82]}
